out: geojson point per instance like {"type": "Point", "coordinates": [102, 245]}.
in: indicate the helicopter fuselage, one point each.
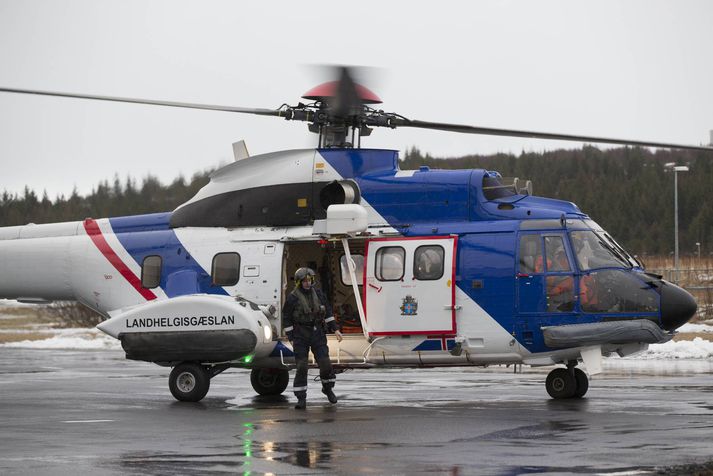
{"type": "Point", "coordinates": [452, 268]}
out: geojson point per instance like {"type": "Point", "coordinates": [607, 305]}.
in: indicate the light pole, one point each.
{"type": "Point", "coordinates": [676, 169]}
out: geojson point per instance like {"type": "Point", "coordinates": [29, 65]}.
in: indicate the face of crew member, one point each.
{"type": "Point", "coordinates": [307, 283]}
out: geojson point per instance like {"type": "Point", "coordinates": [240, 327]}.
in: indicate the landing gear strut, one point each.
{"type": "Point", "coordinates": [567, 383]}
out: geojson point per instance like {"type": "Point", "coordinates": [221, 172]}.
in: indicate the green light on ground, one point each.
{"type": "Point", "coordinates": [248, 359]}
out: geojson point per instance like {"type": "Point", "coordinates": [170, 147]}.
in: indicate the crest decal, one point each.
{"type": "Point", "coordinates": [409, 306]}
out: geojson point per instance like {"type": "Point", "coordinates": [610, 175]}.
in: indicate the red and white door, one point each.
{"type": "Point", "coordinates": [409, 285]}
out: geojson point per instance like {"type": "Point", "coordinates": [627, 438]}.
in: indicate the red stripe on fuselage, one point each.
{"type": "Point", "coordinates": [92, 229]}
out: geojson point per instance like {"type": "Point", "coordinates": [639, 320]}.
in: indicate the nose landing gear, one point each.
{"type": "Point", "coordinates": [567, 383]}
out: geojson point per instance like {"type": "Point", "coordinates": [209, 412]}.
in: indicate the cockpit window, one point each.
{"type": "Point", "coordinates": [494, 188]}
{"type": "Point", "coordinates": [594, 251]}
{"type": "Point", "coordinates": [556, 255]}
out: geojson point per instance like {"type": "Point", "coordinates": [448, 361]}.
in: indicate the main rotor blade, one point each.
{"type": "Point", "coordinates": [210, 107]}
{"type": "Point", "coordinates": [491, 131]}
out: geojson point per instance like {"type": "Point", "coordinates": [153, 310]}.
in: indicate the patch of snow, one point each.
{"type": "Point", "coordinates": [14, 303]}
{"type": "Point", "coordinates": [74, 339]}
{"type": "Point", "coordinates": [686, 349]}
{"type": "Point", "coordinates": [689, 327]}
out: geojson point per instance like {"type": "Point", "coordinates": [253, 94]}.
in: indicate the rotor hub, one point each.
{"type": "Point", "coordinates": [328, 90]}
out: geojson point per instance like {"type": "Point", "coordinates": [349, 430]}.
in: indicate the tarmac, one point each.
{"type": "Point", "coordinates": [93, 412]}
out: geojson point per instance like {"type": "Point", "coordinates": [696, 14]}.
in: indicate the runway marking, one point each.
{"type": "Point", "coordinates": [86, 421]}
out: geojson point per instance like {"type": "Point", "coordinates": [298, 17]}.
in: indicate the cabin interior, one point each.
{"type": "Point", "coordinates": [328, 260]}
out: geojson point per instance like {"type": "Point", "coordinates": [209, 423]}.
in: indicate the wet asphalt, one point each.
{"type": "Point", "coordinates": [93, 412]}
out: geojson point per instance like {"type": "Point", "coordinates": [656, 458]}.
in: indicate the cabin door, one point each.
{"type": "Point", "coordinates": [410, 285]}
{"type": "Point", "coordinates": [545, 283]}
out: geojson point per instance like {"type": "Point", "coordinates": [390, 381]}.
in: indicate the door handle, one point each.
{"type": "Point", "coordinates": [449, 307]}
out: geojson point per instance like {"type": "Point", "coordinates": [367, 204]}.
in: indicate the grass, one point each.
{"type": "Point", "coordinates": [31, 320]}
{"type": "Point", "coordinates": [6, 337]}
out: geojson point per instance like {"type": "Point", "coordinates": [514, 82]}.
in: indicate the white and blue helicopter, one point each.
{"type": "Point", "coordinates": [423, 268]}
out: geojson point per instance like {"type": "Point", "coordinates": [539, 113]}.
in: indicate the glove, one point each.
{"type": "Point", "coordinates": [339, 336]}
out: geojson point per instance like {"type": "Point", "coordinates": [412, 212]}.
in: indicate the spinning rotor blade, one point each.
{"type": "Point", "coordinates": [465, 129]}
{"type": "Point", "coordinates": [210, 107]}
{"type": "Point", "coordinates": [346, 100]}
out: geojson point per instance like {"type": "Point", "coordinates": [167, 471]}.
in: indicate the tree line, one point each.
{"type": "Point", "coordinates": [626, 190]}
{"type": "Point", "coordinates": [119, 198]}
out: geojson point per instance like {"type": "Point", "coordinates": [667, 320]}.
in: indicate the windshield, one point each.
{"type": "Point", "coordinates": [600, 231]}
{"type": "Point", "coordinates": [596, 250]}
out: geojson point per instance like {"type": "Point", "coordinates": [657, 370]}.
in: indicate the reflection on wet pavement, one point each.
{"type": "Point", "coordinates": [636, 417]}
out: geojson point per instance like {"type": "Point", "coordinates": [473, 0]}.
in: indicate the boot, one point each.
{"type": "Point", "coordinates": [301, 403]}
{"type": "Point", "coordinates": [330, 394]}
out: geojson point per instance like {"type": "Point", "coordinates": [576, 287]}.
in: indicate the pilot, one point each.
{"type": "Point", "coordinates": [305, 315]}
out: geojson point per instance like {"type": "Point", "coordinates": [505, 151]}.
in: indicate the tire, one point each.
{"type": "Point", "coordinates": [189, 382]}
{"type": "Point", "coordinates": [561, 383]}
{"type": "Point", "coordinates": [582, 383]}
{"type": "Point", "coordinates": [269, 381]}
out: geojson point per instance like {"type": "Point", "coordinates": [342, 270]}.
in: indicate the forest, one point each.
{"type": "Point", "coordinates": [626, 190]}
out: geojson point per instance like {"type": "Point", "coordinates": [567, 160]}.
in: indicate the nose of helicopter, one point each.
{"type": "Point", "coordinates": [677, 306]}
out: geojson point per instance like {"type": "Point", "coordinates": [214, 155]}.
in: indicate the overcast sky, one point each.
{"type": "Point", "coordinates": [629, 69]}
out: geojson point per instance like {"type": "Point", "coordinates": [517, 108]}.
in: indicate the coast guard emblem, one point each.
{"type": "Point", "coordinates": [409, 307]}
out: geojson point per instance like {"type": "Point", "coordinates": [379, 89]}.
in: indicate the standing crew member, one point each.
{"type": "Point", "coordinates": [305, 315]}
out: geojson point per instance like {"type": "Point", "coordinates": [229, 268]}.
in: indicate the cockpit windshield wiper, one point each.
{"type": "Point", "coordinates": [614, 251]}
{"type": "Point", "coordinates": [632, 261]}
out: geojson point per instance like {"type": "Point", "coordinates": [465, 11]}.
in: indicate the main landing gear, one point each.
{"type": "Point", "coordinates": [190, 381]}
{"type": "Point", "coordinates": [269, 381]}
{"type": "Point", "coordinates": [567, 383]}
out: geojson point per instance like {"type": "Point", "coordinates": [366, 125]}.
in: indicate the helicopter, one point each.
{"type": "Point", "coordinates": [423, 268]}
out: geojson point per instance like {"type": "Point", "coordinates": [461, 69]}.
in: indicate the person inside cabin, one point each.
{"type": "Point", "coordinates": [560, 288]}
{"type": "Point", "coordinates": [306, 315]}
{"type": "Point", "coordinates": [588, 298]}
{"type": "Point", "coordinates": [349, 319]}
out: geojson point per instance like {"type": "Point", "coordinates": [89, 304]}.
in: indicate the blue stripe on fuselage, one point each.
{"type": "Point", "coordinates": [429, 202]}
{"type": "Point", "coordinates": [146, 235]}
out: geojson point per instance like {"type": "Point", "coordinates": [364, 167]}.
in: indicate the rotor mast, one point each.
{"type": "Point", "coordinates": [339, 111]}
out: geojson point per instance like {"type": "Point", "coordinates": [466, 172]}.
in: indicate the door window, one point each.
{"type": "Point", "coordinates": [531, 254]}
{"type": "Point", "coordinates": [556, 255]}
{"type": "Point", "coordinates": [226, 269]}
{"type": "Point", "coordinates": [151, 272]}
{"type": "Point", "coordinates": [390, 263]}
{"type": "Point", "coordinates": [358, 272]}
{"type": "Point", "coordinates": [428, 262]}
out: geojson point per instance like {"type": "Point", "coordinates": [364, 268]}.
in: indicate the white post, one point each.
{"type": "Point", "coordinates": [355, 287]}
{"type": "Point", "coordinates": [675, 222]}
{"type": "Point", "coordinates": [676, 170]}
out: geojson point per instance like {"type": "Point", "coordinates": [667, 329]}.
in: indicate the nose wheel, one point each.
{"type": "Point", "coordinates": [567, 383]}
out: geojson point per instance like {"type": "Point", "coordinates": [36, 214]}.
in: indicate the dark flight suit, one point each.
{"type": "Point", "coordinates": [304, 321]}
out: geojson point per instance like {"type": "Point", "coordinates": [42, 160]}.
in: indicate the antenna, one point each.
{"type": "Point", "coordinates": [240, 150]}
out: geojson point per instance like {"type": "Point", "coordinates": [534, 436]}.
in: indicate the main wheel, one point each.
{"type": "Point", "coordinates": [269, 381]}
{"type": "Point", "coordinates": [189, 382]}
{"type": "Point", "coordinates": [561, 383]}
{"type": "Point", "coordinates": [582, 383]}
